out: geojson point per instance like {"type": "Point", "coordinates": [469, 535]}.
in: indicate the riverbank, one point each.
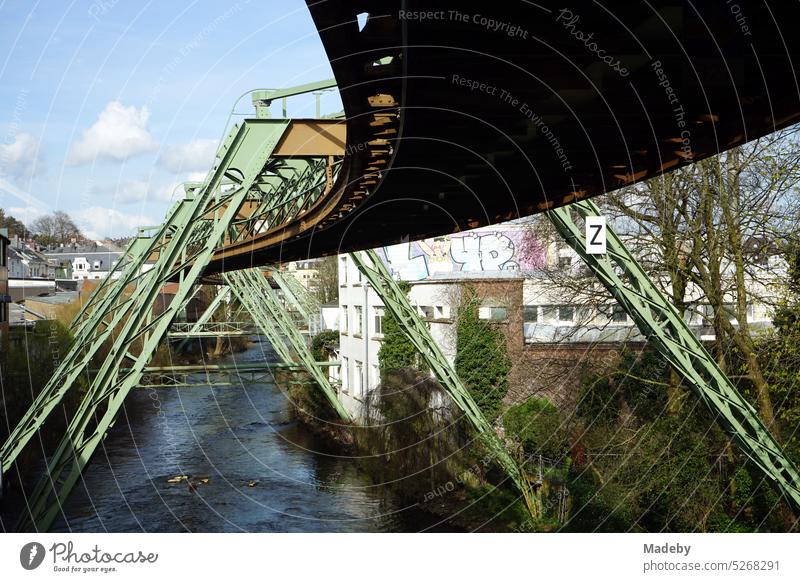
{"type": "Point", "coordinates": [433, 467]}
{"type": "Point", "coordinates": [252, 467]}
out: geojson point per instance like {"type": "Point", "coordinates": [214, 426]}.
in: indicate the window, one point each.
{"type": "Point", "coordinates": [530, 313]}
{"type": "Point", "coordinates": [358, 379]}
{"type": "Point", "coordinates": [618, 314]}
{"type": "Point", "coordinates": [345, 374]}
{"type": "Point", "coordinates": [342, 270]}
{"type": "Point", "coordinates": [378, 320]}
{"type": "Point", "coordinates": [438, 312]}
{"type": "Point", "coordinates": [566, 313]}
{"type": "Point", "coordinates": [357, 320]}
{"type": "Point", "coordinates": [344, 328]}
{"type": "Point", "coordinates": [376, 375]}
{"type": "Point", "coordinates": [493, 313]}
{"type": "Point", "coordinates": [499, 313]}
{"type": "Point", "coordinates": [426, 311]}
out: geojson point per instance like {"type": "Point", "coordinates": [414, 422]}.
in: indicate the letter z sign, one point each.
{"type": "Point", "coordinates": [595, 235]}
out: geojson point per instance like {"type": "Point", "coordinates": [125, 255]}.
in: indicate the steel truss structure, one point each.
{"type": "Point", "coordinates": [667, 332]}
{"type": "Point", "coordinates": [217, 374]}
{"type": "Point", "coordinates": [253, 290]}
{"type": "Point", "coordinates": [415, 328]}
{"type": "Point", "coordinates": [306, 304]}
{"type": "Point", "coordinates": [265, 173]}
{"type": "Point", "coordinates": [269, 173]}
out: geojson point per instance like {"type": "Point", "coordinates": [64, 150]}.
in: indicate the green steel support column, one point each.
{"type": "Point", "coordinates": [667, 332]}
{"type": "Point", "coordinates": [241, 158]}
{"type": "Point", "coordinates": [222, 295]}
{"type": "Point", "coordinates": [306, 303]}
{"type": "Point", "coordinates": [253, 290]}
{"type": "Point", "coordinates": [90, 333]}
{"type": "Point", "coordinates": [418, 333]}
{"type": "Point", "coordinates": [246, 296]}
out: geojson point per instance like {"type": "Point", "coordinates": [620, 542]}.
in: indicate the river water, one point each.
{"type": "Point", "coordinates": [265, 472]}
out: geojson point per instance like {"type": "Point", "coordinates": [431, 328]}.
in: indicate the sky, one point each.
{"type": "Point", "coordinates": [107, 106]}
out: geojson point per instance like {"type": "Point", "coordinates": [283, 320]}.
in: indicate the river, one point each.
{"type": "Point", "coordinates": [265, 472]}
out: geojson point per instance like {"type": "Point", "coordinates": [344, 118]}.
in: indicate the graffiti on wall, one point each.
{"type": "Point", "coordinates": [482, 251]}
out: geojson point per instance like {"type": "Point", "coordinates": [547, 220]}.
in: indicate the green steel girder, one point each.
{"type": "Point", "coordinates": [297, 183]}
{"type": "Point", "coordinates": [188, 250]}
{"type": "Point", "coordinates": [181, 376]}
{"type": "Point", "coordinates": [211, 329]}
{"type": "Point", "coordinates": [222, 294]}
{"type": "Point", "coordinates": [89, 334]}
{"type": "Point", "coordinates": [263, 99]}
{"type": "Point", "coordinates": [306, 304]}
{"type": "Point", "coordinates": [667, 332]}
{"type": "Point", "coordinates": [254, 292]}
{"type": "Point", "coordinates": [416, 330]}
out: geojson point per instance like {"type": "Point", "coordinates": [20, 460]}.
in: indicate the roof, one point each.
{"type": "Point", "coordinates": [25, 254]}
{"type": "Point", "coordinates": [60, 298]}
{"type": "Point", "coordinates": [81, 251]}
{"type": "Point", "coordinates": [91, 253]}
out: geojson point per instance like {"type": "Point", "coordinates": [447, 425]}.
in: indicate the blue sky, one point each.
{"type": "Point", "coordinates": [107, 105]}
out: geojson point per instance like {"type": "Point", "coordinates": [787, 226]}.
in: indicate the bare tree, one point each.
{"type": "Point", "coordinates": [327, 280]}
{"type": "Point", "coordinates": [56, 228]}
{"type": "Point", "coordinates": [709, 229]}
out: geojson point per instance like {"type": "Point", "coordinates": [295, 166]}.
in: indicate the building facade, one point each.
{"type": "Point", "coordinates": [84, 262]}
{"type": "Point", "coordinates": [519, 282]}
{"type": "Point", "coordinates": [5, 298]}
{"type": "Point", "coordinates": [25, 261]}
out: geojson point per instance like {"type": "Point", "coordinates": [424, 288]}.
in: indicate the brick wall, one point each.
{"type": "Point", "coordinates": [552, 371]}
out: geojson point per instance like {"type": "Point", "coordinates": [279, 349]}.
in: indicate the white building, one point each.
{"type": "Point", "coordinates": [435, 268]}
{"type": "Point", "coordinates": [438, 268]}
{"type": "Point", "coordinates": [85, 262]}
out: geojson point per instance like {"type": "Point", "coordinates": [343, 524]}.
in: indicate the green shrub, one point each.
{"type": "Point", "coordinates": [482, 360]}
{"type": "Point", "coordinates": [397, 352]}
{"type": "Point", "coordinates": [538, 426]}
{"type": "Point", "coordinates": [323, 339]}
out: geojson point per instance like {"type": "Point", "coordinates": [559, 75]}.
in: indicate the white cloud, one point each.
{"type": "Point", "coordinates": [131, 192]}
{"type": "Point", "coordinates": [18, 160]}
{"type": "Point", "coordinates": [27, 214]}
{"type": "Point", "coordinates": [119, 133]}
{"type": "Point", "coordinates": [98, 223]}
{"type": "Point", "coordinates": [195, 156]}
{"type": "Point", "coordinates": [138, 191]}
